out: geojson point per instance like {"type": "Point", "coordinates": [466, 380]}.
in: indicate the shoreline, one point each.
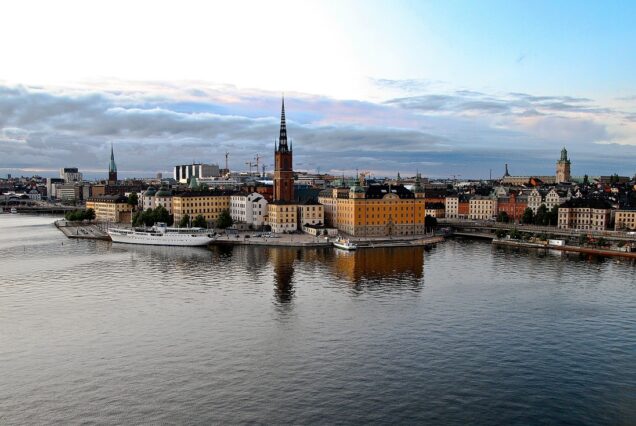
{"type": "Point", "coordinates": [570, 249]}
{"type": "Point", "coordinates": [94, 231]}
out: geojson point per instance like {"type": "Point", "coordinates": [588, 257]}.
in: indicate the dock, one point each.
{"type": "Point", "coordinates": [87, 231]}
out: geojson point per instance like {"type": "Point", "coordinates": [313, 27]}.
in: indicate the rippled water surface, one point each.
{"type": "Point", "coordinates": [460, 334]}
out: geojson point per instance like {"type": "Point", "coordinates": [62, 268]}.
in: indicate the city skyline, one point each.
{"type": "Point", "coordinates": [447, 89]}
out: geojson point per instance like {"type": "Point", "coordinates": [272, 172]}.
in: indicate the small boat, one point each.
{"type": "Point", "coordinates": [161, 235]}
{"type": "Point", "coordinates": [344, 244]}
{"type": "Point", "coordinates": [14, 210]}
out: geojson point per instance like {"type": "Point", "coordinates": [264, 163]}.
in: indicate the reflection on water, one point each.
{"type": "Point", "coordinates": [381, 266]}
{"type": "Point", "coordinates": [94, 332]}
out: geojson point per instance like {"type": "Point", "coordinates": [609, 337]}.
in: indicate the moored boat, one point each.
{"type": "Point", "coordinates": [344, 244]}
{"type": "Point", "coordinates": [161, 235]}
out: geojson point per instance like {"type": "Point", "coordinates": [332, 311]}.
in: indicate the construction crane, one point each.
{"type": "Point", "coordinates": [257, 158]}
{"type": "Point", "coordinates": [250, 165]}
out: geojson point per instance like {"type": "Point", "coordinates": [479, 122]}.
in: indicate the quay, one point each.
{"type": "Point", "coordinates": [574, 249]}
{"type": "Point", "coordinates": [96, 231]}
{"type": "Point", "coordinates": [82, 230]}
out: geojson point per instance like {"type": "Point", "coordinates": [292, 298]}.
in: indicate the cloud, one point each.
{"type": "Point", "coordinates": [156, 125]}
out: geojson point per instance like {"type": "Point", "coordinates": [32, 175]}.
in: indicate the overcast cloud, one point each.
{"type": "Point", "coordinates": [156, 125]}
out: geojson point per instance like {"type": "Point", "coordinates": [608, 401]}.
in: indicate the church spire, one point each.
{"type": "Point", "coordinates": [282, 139]}
{"type": "Point", "coordinates": [112, 168]}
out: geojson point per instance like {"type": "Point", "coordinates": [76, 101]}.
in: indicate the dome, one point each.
{"type": "Point", "coordinates": [150, 191]}
{"type": "Point", "coordinates": [163, 192]}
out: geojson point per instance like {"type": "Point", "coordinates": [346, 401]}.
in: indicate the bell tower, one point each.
{"type": "Point", "coordinates": [563, 167]}
{"type": "Point", "coordinates": [283, 168]}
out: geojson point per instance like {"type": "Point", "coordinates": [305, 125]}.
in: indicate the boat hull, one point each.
{"type": "Point", "coordinates": [162, 240]}
{"type": "Point", "coordinates": [344, 247]}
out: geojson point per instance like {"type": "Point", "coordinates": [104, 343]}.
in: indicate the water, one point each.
{"type": "Point", "coordinates": [463, 334]}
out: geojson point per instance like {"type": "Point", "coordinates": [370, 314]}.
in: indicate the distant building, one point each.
{"type": "Point", "coordinates": [378, 210]}
{"type": "Point", "coordinates": [625, 220]}
{"type": "Point", "coordinates": [51, 184]}
{"type": "Point", "coordinates": [563, 168]}
{"type": "Point", "coordinates": [111, 208]}
{"type": "Point", "coordinates": [452, 207]}
{"type": "Point", "coordinates": [70, 174]}
{"type": "Point", "coordinates": [436, 210]}
{"type": "Point", "coordinates": [482, 208]}
{"type": "Point", "coordinates": [183, 173]}
{"type": "Point", "coordinates": [207, 204]}
{"type": "Point", "coordinates": [249, 208]}
{"type": "Point", "coordinates": [585, 214]}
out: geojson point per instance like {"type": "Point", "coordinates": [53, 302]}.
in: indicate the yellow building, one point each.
{"type": "Point", "coordinates": [283, 217]}
{"type": "Point", "coordinates": [625, 220]}
{"type": "Point", "coordinates": [311, 213]}
{"type": "Point", "coordinates": [207, 204]}
{"type": "Point", "coordinates": [111, 208]}
{"type": "Point", "coordinates": [378, 210]}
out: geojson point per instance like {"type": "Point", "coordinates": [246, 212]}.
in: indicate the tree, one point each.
{"type": "Point", "coordinates": [500, 233]}
{"type": "Point", "coordinates": [515, 234]}
{"type": "Point", "coordinates": [582, 239]}
{"type": "Point", "coordinates": [553, 216]}
{"type": "Point", "coordinates": [185, 221]}
{"type": "Point", "coordinates": [224, 220]}
{"type": "Point", "coordinates": [89, 214]}
{"type": "Point", "coordinates": [503, 217]}
{"type": "Point", "coordinates": [133, 199]}
{"type": "Point", "coordinates": [200, 222]}
{"type": "Point", "coordinates": [430, 222]}
{"type": "Point", "coordinates": [528, 216]}
{"type": "Point", "coordinates": [160, 214]}
{"type": "Point", "coordinates": [541, 218]}
{"type": "Point", "coordinates": [586, 180]}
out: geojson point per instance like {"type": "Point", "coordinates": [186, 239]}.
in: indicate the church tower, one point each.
{"type": "Point", "coordinates": [112, 167]}
{"type": "Point", "coordinates": [283, 169]}
{"type": "Point", "coordinates": [563, 167]}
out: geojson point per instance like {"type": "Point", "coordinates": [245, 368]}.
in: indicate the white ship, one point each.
{"type": "Point", "coordinates": [343, 244]}
{"type": "Point", "coordinates": [162, 235]}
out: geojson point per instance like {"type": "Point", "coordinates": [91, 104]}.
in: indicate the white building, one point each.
{"type": "Point", "coordinates": [482, 208]}
{"type": "Point", "coordinates": [183, 173]}
{"type": "Point", "coordinates": [452, 207]}
{"type": "Point", "coordinates": [249, 208]}
{"type": "Point", "coordinates": [70, 174]}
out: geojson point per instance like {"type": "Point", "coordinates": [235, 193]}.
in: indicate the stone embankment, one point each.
{"type": "Point", "coordinates": [574, 249]}
{"type": "Point", "coordinates": [89, 231]}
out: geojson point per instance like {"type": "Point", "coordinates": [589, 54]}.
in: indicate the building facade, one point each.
{"type": "Point", "coordinates": [249, 208]}
{"type": "Point", "coordinates": [378, 210]}
{"type": "Point", "coordinates": [563, 167]}
{"type": "Point", "coordinates": [583, 214]}
{"type": "Point", "coordinates": [482, 208]}
{"type": "Point", "coordinates": [452, 207]}
{"type": "Point", "coordinates": [625, 220]}
{"type": "Point", "coordinates": [111, 208]}
{"type": "Point", "coordinates": [207, 204]}
{"type": "Point", "coordinates": [183, 173]}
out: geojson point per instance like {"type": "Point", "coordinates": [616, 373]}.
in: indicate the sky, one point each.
{"type": "Point", "coordinates": [447, 88]}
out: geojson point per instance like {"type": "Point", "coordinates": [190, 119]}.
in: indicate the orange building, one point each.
{"type": "Point", "coordinates": [378, 210]}
{"type": "Point", "coordinates": [513, 205]}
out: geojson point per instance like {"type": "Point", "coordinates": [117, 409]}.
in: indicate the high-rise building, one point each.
{"type": "Point", "coordinates": [112, 167]}
{"type": "Point", "coordinates": [70, 174]}
{"type": "Point", "coordinates": [563, 167]}
{"type": "Point", "coordinates": [183, 173]}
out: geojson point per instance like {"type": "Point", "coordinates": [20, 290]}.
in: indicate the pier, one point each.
{"type": "Point", "coordinates": [87, 231]}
